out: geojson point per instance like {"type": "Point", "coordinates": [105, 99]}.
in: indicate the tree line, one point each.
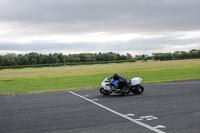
{"type": "Point", "coordinates": [34, 58]}
{"type": "Point", "coordinates": [177, 55]}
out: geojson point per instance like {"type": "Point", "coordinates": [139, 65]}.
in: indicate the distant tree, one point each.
{"type": "Point", "coordinates": [82, 57]}
{"type": "Point", "coordinates": [47, 59]}
{"type": "Point", "coordinates": [106, 57]}
{"type": "Point", "coordinates": [99, 57]}
{"type": "Point", "coordinates": [1, 60]}
{"type": "Point", "coordinates": [65, 58]}
{"type": "Point", "coordinates": [90, 57]}
{"type": "Point", "coordinates": [60, 57]}
{"type": "Point", "coordinates": [198, 53]}
{"type": "Point", "coordinates": [25, 60]}
{"type": "Point", "coordinates": [119, 57]}
{"type": "Point", "coordinates": [184, 55]}
{"type": "Point", "coordinates": [168, 56]}
{"type": "Point", "coordinates": [162, 56]}
{"type": "Point", "coordinates": [193, 53]}
{"type": "Point", "coordinates": [123, 57]}
{"type": "Point", "coordinates": [141, 57]}
{"type": "Point", "coordinates": [40, 59]}
{"type": "Point", "coordinates": [33, 56]}
{"type": "Point", "coordinates": [70, 58]}
{"type": "Point", "coordinates": [10, 59]}
{"type": "Point", "coordinates": [76, 58]}
{"type": "Point", "coordinates": [112, 56]}
{"type": "Point", "coordinates": [177, 54]}
{"type": "Point", "coordinates": [128, 56]}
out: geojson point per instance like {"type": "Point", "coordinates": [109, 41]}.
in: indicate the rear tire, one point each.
{"type": "Point", "coordinates": [104, 92]}
{"type": "Point", "coordinates": [138, 89]}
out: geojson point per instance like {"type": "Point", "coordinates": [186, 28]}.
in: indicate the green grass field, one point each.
{"type": "Point", "coordinates": [26, 81]}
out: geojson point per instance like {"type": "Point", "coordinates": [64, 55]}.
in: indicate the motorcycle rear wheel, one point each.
{"type": "Point", "coordinates": [137, 89]}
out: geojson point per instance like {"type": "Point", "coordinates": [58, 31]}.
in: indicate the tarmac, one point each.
{"type": "Point", "coordinates": [172, 107]}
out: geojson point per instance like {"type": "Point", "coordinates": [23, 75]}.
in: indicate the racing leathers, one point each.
{"type": "Point", "coordinates": [123, 84]}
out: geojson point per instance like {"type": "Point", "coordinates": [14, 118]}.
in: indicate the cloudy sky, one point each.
{"type": "Point", "coordinates": [82, 26]}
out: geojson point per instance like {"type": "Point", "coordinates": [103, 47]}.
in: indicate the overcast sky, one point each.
{"type": "Point", "coordinates": [89, 26]}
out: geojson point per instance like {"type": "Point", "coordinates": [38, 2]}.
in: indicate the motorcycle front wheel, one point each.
{"type": "Point", "coordinates": [137, 89]}
{"type": "Point", "coordinates": [104, 92]}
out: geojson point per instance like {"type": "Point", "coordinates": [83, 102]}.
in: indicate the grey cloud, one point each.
{"type": "Point", "coordinates": [74, 16]}
{"type": "Point", "coordinates": [68, 17]}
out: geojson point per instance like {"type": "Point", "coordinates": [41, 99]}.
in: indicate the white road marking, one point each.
{"type": "Point", "coordinates": [122, 115]}
{"type": "Point", "coordinates": [129, 115]}
{"type": "Point", "coordinates": [138, 119]}
{"type": "Point", "coordinates": [148, 118]}
{"type": "Point", "coordinates": [95, 99]}
{"type": "Point", "coordinates": [160, 126]}
{"type": "Point", "coordinates": [86, 95]}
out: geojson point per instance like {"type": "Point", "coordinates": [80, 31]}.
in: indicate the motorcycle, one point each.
{"type": "Point", "coordinates": [109, 86]}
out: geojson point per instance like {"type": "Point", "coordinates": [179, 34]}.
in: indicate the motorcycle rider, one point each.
{"type": "Point", "coordinates": [122, 83]}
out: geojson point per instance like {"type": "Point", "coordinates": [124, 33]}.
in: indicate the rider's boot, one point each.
{"type": "Point", "coordinates": [123, 91]}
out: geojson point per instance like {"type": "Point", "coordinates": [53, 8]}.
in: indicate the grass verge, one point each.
{"type": "Point", "coordinates": [29, 81]}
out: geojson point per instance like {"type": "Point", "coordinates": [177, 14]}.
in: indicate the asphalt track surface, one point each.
{"type": "Point", "coordinates": [164, 108]}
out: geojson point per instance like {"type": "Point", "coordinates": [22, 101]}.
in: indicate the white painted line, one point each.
{"type": "Point", "coordinates": [138, 119]}
{"type": "Point", "coordinates": [117, 113]}
{"type": "Point", "coordinates": [149, 117]}
{"type": "Point", "coordinates": [95, 99]}
{"type": "Point", "coordinates": [129, 115]}
{"type": "Point", "coordinates": [86, 95]}
{"type": "Point", "coordinates": [160, 126]}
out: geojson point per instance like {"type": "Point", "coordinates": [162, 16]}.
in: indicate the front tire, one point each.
{"type": "Point", "coordinates": [138, 89]}
{"type": "Point", "coordinates": [104, 92]}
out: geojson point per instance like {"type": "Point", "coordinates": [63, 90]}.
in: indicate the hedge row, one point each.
{"type": "Point", "coordinates": [67, 64]}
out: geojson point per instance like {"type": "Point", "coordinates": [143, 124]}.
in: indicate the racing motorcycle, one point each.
{"type": "Point", "coordinates": [109, 86]}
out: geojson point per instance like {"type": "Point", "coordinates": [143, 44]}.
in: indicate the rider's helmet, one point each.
{"type": "Point", "coordinates": [116, 76]}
